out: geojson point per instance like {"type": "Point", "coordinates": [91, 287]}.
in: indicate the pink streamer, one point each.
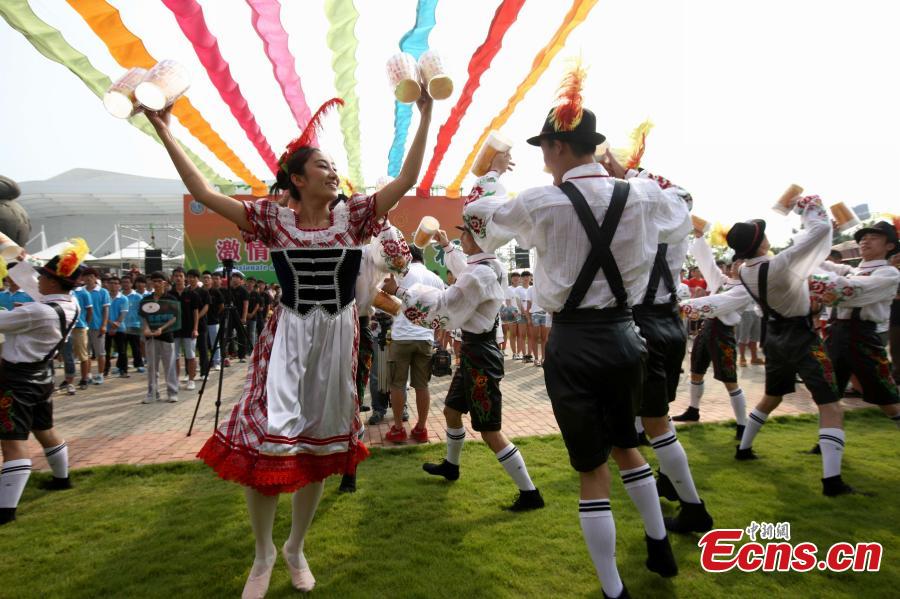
{"type": "Point", "coordinates": [189, 16]}
{"type": "Point", "coordinates": [267, 23]}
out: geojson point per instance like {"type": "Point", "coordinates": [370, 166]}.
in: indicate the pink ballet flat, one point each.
{"type": "Point", "coordinates": [256, 586]}
{"type": "Point", "coordinates": [302, 579]}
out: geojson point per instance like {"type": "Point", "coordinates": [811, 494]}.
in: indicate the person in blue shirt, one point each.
{"type": "Point", "coordinates": [6, 298]}
{"type": "Point", "coordinates": [13, 296]}
{"type": "Point", "coordinates": [115, 336]}
{"type": "Point", "coordinates": [100, 300]}
{"type": "Point", "coordinates": [133, 325]}
{"type": "Point", "coordinates": [79, 334]}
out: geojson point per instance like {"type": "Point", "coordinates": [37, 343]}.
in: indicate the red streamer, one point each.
{"type": "Point", "coordinates": [504, 17]}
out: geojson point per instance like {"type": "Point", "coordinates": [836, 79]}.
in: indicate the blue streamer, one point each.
{"type": "Point", "coordinates": [415, 42]}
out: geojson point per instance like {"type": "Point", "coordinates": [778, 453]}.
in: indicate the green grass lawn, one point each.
{"type": "Point", "coordinates": [178, 531]}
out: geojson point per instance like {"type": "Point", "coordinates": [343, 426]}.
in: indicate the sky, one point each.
{"type": "Point", "coordinates": [746, 97]}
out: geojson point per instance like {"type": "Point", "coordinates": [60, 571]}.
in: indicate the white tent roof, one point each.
{"type": "Point", "coordinates": [131, 252]}
{"type": "Point", "coordinates": [54, 250]}
{"type": "Point", "coordinates": [85, 192]}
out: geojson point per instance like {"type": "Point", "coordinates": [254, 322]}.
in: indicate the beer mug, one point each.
{"type": "Point", "coordinates": [786, 202]}
{"type": "Point", "coordinates": [386, 302]}
{"type": "Point", "coordinates": [9, 249]}
{"type": "Point", "coordinates": [165, 82]}
{"type": "Point", "coordinates": [403, 74]}
{"type": "Point", "coordinates": [700, 224]}
{"type": "Point", "coordinates": [495, 144]}
{"type": "Point", "coordinates": [428, 226]}
{"type": "Point", "coordinates": [843, 216]}
{"type": "Point", "coordinates": [434, 75]}
{"type": "Point", "coordinates": [119, 99]}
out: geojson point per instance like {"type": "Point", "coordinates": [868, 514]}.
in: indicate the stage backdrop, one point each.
{"type": "Point", "coordinates": [209, 238]}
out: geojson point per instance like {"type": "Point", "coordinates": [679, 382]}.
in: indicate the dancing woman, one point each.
{"type": "Point", "coordinates": [291, 431]}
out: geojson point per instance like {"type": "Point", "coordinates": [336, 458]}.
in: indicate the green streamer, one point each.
{"type": "Point", "coordinates": [342, 42]}
{"type": "Point", "coordinates": [50, 42]}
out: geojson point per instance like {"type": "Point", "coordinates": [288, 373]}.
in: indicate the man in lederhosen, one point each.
{"type": "Point", "coordinates": [658, 318]}
{"type": "Point", "coordinates": [780, 286]}
{"type": "Point", "coordinates": [596, 238]}
{"type": "Point", "coordinates": [862, 299]}
{"type": "Point", "coordinates": [471, 304]}
{"type": "Point", "coordinates": [35, 332]}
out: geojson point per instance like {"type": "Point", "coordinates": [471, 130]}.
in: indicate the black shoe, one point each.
{"type": "Point", "coordinates": [376, 417]}
{"type": "Point", "coordinates": [693, 517]}
{"type": "Point", "coordinates": [7, 515]}
{"type": "Point", "coordinates": [660, 558]}
{"type": "Point", "coordinates": [62, 386]}
{"type": "Point", "coordinates": [82, 384]}
{"type": "Point", "coordinates": [527, 500]}
{"type": "Point", "coordinates": [816, 450]}
{"type": "Point", "coordinates": [56, 484]}
{"type": "Point", "coordinates": [642, 439]}
{"type": "Point", "coordinates": [348, 484]}
{"type": "Point", "coordinates": [745, 454]}
{"type": "Point", "coordinates": [739, 433]}
{"type": "Point", "coordinates": [665, 488]}
{"type": "Point", "coordinates": [527, 359]}
{"type": "Point", "coordinates": [834, 486]}
{"type": "Point", "coordinates": [623, 595]}
{"type": "Point", "coordinates": [364, 408]}
{"type": "Point", "coordinates": [689, 415]}
{"type": "Point", "coordinates": [445, 469]}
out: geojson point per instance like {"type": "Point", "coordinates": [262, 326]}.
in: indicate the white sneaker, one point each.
{"type": "Point", "coordinates": [70, 389]}
{"type": "Point", "coordinates": [216, 368]}
{"type": "Point", "coordinates": [172, 399]}
{"type": "Point", "coordinates": [184, 379]}
{"type": "Point", "coordinates": [191, 386]}
{"type": "Point", "coordinates": [149, 399]}
{"type": "Point", "coordinates": [97, 380]}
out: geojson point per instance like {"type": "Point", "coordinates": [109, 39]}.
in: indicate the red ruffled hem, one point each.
{"type": "Point", "coordinates": [270, 474]}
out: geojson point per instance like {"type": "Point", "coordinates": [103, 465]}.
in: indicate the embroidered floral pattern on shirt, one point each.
{"type": "Point", "coordinates": [6, 403]}
{"type": "Point", "coordinates": [476, 225]}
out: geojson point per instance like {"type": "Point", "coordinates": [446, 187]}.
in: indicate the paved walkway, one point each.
{"type": "Point", "coordinates": [107, 424]}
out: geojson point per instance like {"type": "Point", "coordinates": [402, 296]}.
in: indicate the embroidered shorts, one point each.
{"type": "Point", "coordinates": [661, 327]}
{"type": "Point", "coordinates": [856, 348]}
{"type": "Point", "coordinates": [715, 344]}
{"type": "Point", "coordinates": [25, 405]}
{"type": "Point", "coordinates": [475, 386]}
{"type": "Point", "coordinates": [792, 349]}
{"type": "Point", "coordinates": [594, 372]}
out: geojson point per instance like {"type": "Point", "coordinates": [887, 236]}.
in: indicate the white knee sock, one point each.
{"type": "Point", "coordinates": [58, 458]}
{"type": "Point", "coordinates": [641, 487]}
{"type": "Point", "coordinates": [262, 517]}
{"type": "Point", "coordinates": [673, 461]}
{"type": "Point", "coordinates": [599, 530]}
{"type": "Point", "coordinates": [739, 405]}
{"type": "Point", "coordinates": [696, 394]}
{"type": "Point", "coordinates": [304, 504]}
{"type": "Point", "coordinates": [455, 439]}
{"type": "Point", "coordinates": [638, 425]}
{"type": "Point", "coordinates": [511, 460]}
{"type": "Point", "coordinates": [13, 478]}
{"type": "Point", "coordinates": [831, 442]}
{"type": "Point", "coordinates": [754, 423]}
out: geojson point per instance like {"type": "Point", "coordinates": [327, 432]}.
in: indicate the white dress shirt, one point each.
{"type": "Point", "coordinates": [870, 286]}
{"type": "Point", "coordinates": [403, 329]}
{"type": "Point", "coordinates": [789, 270]}
{"type": "Point", "coordinates": [728, 298]}
{"type": "Point", "coordinates": [675, 255]}
{"type": "Point", "coordinates": [543, 218]}
{"type": "Point", "coordinates": [470, 304]}
{"type": "Point", "coordinates": [32, 330]}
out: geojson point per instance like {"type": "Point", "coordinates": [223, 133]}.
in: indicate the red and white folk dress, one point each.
{"type": "Point", "coordinates": [297, 419]}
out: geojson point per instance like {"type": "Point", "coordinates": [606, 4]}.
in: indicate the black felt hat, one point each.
{"type": "Point", "coordinates": [746, 237]}
{"type": "Point", "coordinates": [882, 228]}
{"type": "Point", "coordinates": [585, 132]}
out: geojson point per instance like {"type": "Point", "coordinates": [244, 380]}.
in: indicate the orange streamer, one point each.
{"type": "Point", "coordinates": [129, 51]}
{"type": "Point", "coordinates": [576, 15]}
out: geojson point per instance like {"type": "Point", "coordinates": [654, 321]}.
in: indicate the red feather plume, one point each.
{"type": "Point", "coordinates": [569, 110]}
{"type": "Point", "coordinates": [312, 129]}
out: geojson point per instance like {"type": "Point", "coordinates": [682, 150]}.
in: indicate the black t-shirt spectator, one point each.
{"type": "Point", "coordinates": [254, 301]}
{"type": "Point", "coordinates": [156, 312]}
{"type": "Point", "coordinates": [203, 295]}
{"type": "Point", "coordinates": [216, 301]}
{"type": "Point", "coordinates": [190, 301]}
{"type": "Point", "coordinates": [239, 295]}
{"type": "Point", "coordinates": [264, 300]}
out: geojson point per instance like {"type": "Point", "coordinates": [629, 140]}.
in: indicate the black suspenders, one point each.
{"type": "Point", "coordinates": [63, 329]}
{"type": "Point", "coordinates": [659, 272]}
{"type": "Point", "coordinates": [600, 256]}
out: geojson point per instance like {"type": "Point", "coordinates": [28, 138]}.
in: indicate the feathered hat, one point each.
{"type": "Point", "coordinates": [308, 138]}
{"type": "Point", "coordinates": [66, 266]}
{"type": "Point", "coordinates": [569, 120]}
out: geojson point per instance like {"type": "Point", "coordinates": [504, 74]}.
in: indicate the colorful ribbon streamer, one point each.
{"type": "Point", "coordinates": [266, 19]}
{"type": "Point", "coordinates": [504, 17]}
{"type": "Point", "coordinates": [576, 15]}
{"type": "Point", "coordinates": [189, 16]}
{"type": "Point", "coordinates": [129, 51]}
{"type": "Point", "coordinates": [415, 42]}
{"type": "Point", "coordinates": [342, 42]}
{"type": "Point", "coordinates": [49, 42]}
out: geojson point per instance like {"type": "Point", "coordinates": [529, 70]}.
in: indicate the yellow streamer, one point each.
{"type": "Point", "coordinates": [576, 15]}
{"type": "Point", "coordinates": [129, 51]}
